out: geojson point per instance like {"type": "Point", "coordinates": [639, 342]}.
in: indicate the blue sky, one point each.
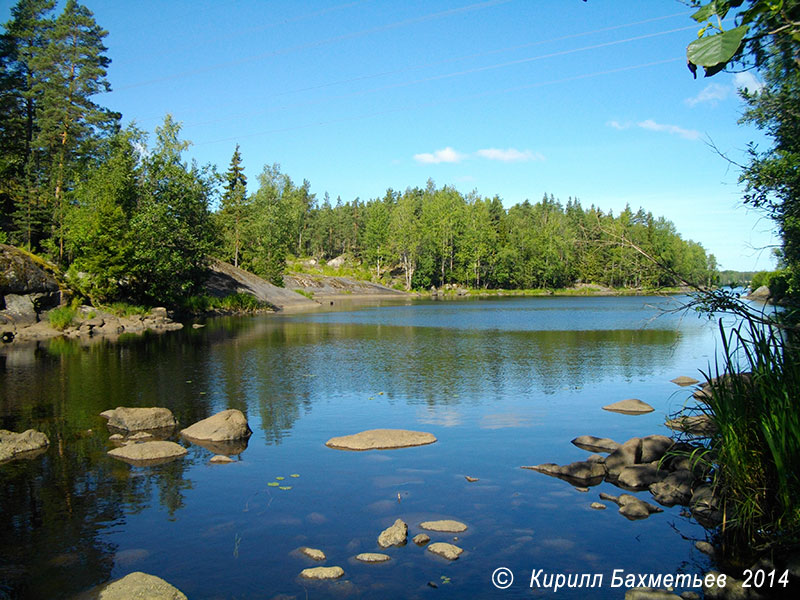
{"type": "Point", "coordinates": [514, 98]}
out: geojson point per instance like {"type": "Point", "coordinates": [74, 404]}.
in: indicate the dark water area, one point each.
{"type": "Point", "coordinates": [502, 383]}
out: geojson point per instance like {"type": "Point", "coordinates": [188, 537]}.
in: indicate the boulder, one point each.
{"type": "Point", "coordinates": [336, 262]}
{"type": "Point", "coordinates": [702, 425]}
{"type": "Point", "coordinates": [598, 506]}
{"type": "Point", "coordinates": [595, 444]}
{"type": "Point", "coordinates": [760, 293]}
{"type": "Point", "coordinates": [705, 505]}
{"type": "Point", "coordinates": [705, 548]}
{"type": "Point", "coordinates": [640, 477]}
{"type": "Point", "coordinates": [654, 447]}
{"type": "Point", "coordinates": [577, 473]}
{"type": "Point", "coordinates": [395, 535]}
{"type": "Point", "coordinates": [20, 309]}
{"type": "Point", "coordinates": [220, 459]}
{"type": "Point", "coordinates": [447, 526]}
{"type": "Point", "coordinates": [445, 550]}
{"type": "Point", "coordinates": [630, 453]}
{"type": "Point", "coordinates": [148, 453]}
{"type": "Point", "coordinates": [421, 539]}
{"type": "Point", "coordinates": [372, 557]}
{"type": "Point", "coordinates": [632, 406]}
{"type": "Point", "coordinates": [322, 573]}
{"type": "Point", "coordinates": [224, 426]}
{"type": "Point", "coordinates": [139, 419]}
{"type": "Point", "coordinates": [381, 439]}
{"type": "Point", "coordinates": [313, 553]}
{"type": "Point", "coordinates": [684, 381]}
{"type": "Point", "coordinates": [28, 444]}
{"type": "Point", "coordinates": [633, 508]}
{"type": "Point", "coordinates": [134, 585]}
{"type": "Point", "coordinates": [675, 488]}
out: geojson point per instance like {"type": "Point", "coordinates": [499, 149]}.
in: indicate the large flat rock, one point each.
{"type": "Point", "coordinates": [381, 439]}
{"type": "Point", "coordinates": [21, 445]}
{"type": "Point", "coordinates": [140, 418]}
{"type": "Point", "coordinates": [631, 406]}
{"type": "Point", "coordinates": [148, 453]}
{"type": "Point", "coordinates": [446, 525]}
{"type": "Point", "coordinates": [133, 586]}
{"type": "Point", "coordinates": [224, 279]}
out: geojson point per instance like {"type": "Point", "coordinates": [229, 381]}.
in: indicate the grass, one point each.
{"type": "Point", "coordinates": [756, 449]}
{"type": "Point", "coordinates": [232, 303]}
{"type": "Point", "coordinates": [123, 309]}
{"type": "Point", "coordinates": [306, 293]}
{"type": "Point", "coordinates": [62, 317]}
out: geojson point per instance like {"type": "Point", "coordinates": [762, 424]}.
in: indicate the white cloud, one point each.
{"type": "Point", "coordinates": [509, 155]}
{"type": "Point", "coordinates": [618, 125]}
{"type": "Point", "coordinates": [712, 93]}
{"type": "Point", "coordinates": [445, 155]}
{"type": "Point", "coordinates": [687, 134]}
{"type": "Point", "coordinates": [747, 81]}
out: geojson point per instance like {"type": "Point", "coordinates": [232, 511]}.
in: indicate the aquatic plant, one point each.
{"type": "Point", "coordinates": [756, 446]}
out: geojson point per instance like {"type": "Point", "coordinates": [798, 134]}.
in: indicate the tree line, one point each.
{"type": "Point", "coordinates": [130, 218]}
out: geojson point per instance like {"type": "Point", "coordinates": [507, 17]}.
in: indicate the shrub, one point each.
{"type": "Point", "coordinates": [62, 317]}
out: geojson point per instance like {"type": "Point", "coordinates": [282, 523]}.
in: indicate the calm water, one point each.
{"type": "Point", "coordinates": [502, 383]}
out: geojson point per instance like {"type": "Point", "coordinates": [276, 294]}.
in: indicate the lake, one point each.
{"type": "Point", "coordinates": [501, 383]}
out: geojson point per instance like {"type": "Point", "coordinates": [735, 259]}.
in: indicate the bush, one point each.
{"type": "Point", "coordinates": [62, 317]}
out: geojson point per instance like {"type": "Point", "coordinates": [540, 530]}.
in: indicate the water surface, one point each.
{"type": "Point", "coordinates": [502, 383]}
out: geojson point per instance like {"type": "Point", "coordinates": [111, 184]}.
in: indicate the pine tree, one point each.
{"type": "Point", "coordinates": [233, 210]}
{"type": "Point", "coordinates": [70, 70]}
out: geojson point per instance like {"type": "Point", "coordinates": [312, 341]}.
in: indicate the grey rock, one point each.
{"type": "Point", "coordinates": [732, 590]}
{"type": "Point", "coordinates": [630, 453]}
{"type": "Point", "coordinates": [700, 425]}
{"type": "Point", "coordinates": [633, 508]}
{"type": "Point", "coordinates": [148, 453]}
{"type": "Point", "coordinates": [226, 425]}
{"type": "Point", "coordinates": [654, 447]}
{"type": "Point", "coordinates": [322, 573]}
{"type": "Point", "coordinates": [159, 312]}
{"type": "Point", "coordinates": [583, 472]}
{"type": "Point", "coordinates": [639, 477]}
{"type": "Point", "coordinates": [631, 406]}
{"type": "Point", "coordinates": [28, 444]}
{"type": "Point", "coordinates": [395, 535]}
{"type": "Point", "coordinates": [446, 525]}
{"type": "Point", "coordinates": [381, 439]}
{"type": "Point", "coordinates": [140, 419]}
{"type": "Point", "coordinates": [690, 596]}
{"type": "Point", "coordinates": [20, 309]}
{"type": "Point", "coordinates": [705, 505]}
{"type": "Point", "coordinates": [313, 553]}
{"type": "Point", "coordinates": [595, 444]}
{"type": "Point", "coordinates": [705, 548]}
{"type": "Point", "coordinates": [675, 488]}
{"type": "Point", "coordinates": [598, 506]}
{"type": "Point", "coordinates": [220, 459]}
{"type": "Point", "coordinates": [372, 557]}
{"type": "Point", "coordinates": [445, 550]}
{"type": "Point", "coordinates": [132, 586]}
{"type": "Point", "coordinates": [684, 381]}
{"type": "Point", "coordinates": [421, 539]}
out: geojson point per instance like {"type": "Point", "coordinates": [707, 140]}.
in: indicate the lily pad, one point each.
{"type": "Point", "coordinates": [285, 487]}
{"type": "Point", "coordinates": [295, 475]}
{"type": "Point", "coordinates": [280, 478]}
{"type": "Point", "coordinates": [273, 484]}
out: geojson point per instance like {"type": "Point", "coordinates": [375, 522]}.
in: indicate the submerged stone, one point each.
{"type": "Point", "coordinates": [322, 573]}
{"type": "Point", "coordinates": [381, 439]}
{"type": "Point", "coordinates": [148, 453]}
{"type": "Point", "coordinates": [445, 550]}
{"type": "Point", "coordinates": [372, 557]}
{"type": "Point", "coordinates": [446, 525]}
{"type": "Point", "coordinates": [631, 406]}
{"type": "Point", "coordinates": [684, 381]}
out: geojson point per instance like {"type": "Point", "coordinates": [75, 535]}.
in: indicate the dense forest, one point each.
{"type": "Point", "coordinates": [127, 217]}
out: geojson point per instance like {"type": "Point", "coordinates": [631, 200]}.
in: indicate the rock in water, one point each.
{"type": "Point", "coordinates": [134, 585]}
{"type": "Point", "coordinates": [220, 459]}
{"type": "Point", "coordinates": [148, 453]}
{"type": "Point", "coordinates": [577, 473]}
{"type": "Point", "coordinates": [684, 381]}
{"type": "Point", "coordinates": [393, 536]}
{"type": "Point", "coordinates": [445, 550]}
{"type": "Point", "coordinates": [381, 439]}
{"type": "Point", "coordinates": [224, 426]}
{"type": "Point", "coordinates": [447, 526]}
{"type": "Point", "coordinates": [632, 406]}
{"type": "Point", "coordinates": [421, 539]}
{"type": "Point", "coordinates": [646, 593]}
{"type": "Point", "coordinates": [139, 419]}
{"type": "Point", "coordinates": [372, 557]}
{"type": "Point", "coordinates": [313, 553]}
{"type": "Point", "coordinates": [322, 573]}
{"type": "Point", "coordinates": [21, 445]}
{"type": "Point", "coordinates": [595, 444]}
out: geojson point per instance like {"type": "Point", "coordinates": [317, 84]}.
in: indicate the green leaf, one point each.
{"type": "Point", "coordinates": [716, 49]}
{"type": "Point", "coordinates": [705, 13]}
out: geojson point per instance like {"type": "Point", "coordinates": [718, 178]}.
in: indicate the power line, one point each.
{"type": "Point", "coordinates": [451, 100]}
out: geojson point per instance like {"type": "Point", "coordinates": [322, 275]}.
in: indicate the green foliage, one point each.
{"type": "Point", "coordinates": [238, 302]}
{"type": "Point", "coordinates": [306, 293]}
{"type": "Point", "coordinates": [123, 309]}
{"type": "Point", "coordinates": [234, 210]}
{"type": "Point", "coordinates": [62, 317]}
{"type": "Point", "coordinates": [757, 443]}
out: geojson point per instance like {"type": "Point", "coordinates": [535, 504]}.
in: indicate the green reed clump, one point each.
{"type": "Point", "coordinates": [62, 317]}
{"type": "Point", "coordinates": [755, 405]}
{"type": "Point", "coordinates": [237, 302]}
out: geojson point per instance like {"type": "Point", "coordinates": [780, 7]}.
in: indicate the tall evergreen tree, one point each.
{"type": "Point", "coordinates": [71, 69]}
{"type": "Point", "coordinates": [234, 206]}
